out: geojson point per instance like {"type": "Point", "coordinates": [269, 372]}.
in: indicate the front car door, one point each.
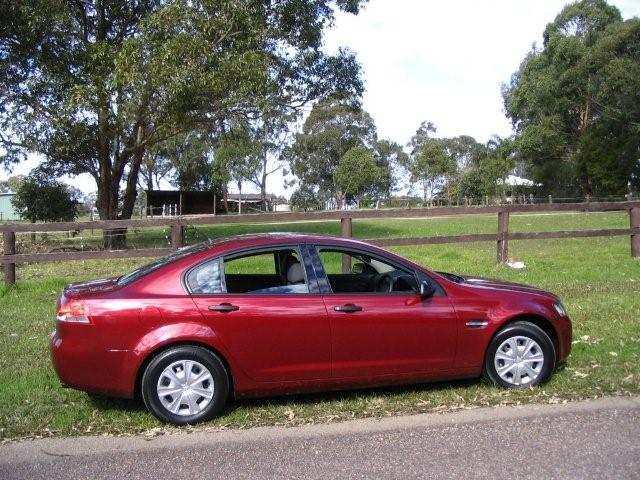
{"type": "Point", "coordinates": [380, 325]}
{"type": "Point", "coordinates": [265, 305]}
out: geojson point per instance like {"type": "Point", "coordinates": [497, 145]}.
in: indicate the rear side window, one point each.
{"type": "Point", "coordinates": [205, 278]}
{"type": "Point", "coordinates": [278, 271]}
{"type": "Point", "coordinates": [272, 272]}
{"type": "Point", "coordinates": [258, 264]}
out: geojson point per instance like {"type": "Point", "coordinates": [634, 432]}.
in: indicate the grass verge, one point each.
{"type": "Point", "coordinates": [597, 279]}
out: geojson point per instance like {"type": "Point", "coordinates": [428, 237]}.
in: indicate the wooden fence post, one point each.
{"type": "Point", "coordinates": [503, 232]}
{"type": "Point", "coordinates": [346, 227]}
{"type": "Point", "coordinates": [177, 235]}
{"type": "Point", "coordinates": [634, 222]}
{"type": "Point", "coordinates": [9, 249]}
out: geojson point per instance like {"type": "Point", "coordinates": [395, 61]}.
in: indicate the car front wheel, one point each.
{"type": "Point", "coordinates": [185, 385]}
{"type": "Point", "coordinates": [520, 355]}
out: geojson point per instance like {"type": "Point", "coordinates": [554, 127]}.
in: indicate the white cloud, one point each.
{"type": "Point", "coordinates": [443, 61]}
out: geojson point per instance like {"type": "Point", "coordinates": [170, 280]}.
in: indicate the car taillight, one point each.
{"type": "Point", "coordinates": [72, 312]}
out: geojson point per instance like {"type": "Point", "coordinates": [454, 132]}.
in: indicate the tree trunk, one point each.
{"type": "Point", "coordinates": [263, 183]}
{"type": "Point", "coordinates": [108, 186]}
{"type": "Point", "coordinates": [131, 190]}
{"type": "Point", "coordinates": [239, 198]}
{"type": "Point", "coordinates": [225, 198]}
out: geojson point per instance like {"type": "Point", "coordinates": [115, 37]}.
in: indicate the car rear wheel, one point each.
{"type": "Point", "coordinates": [520, 355]}
{"type": "Point", "coordinates": [185, 385]}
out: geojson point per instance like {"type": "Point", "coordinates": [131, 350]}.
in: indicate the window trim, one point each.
{"type": "Point", "coordinates": [310, 276]}
{"type": "Point", "coordinates": [347, 250]}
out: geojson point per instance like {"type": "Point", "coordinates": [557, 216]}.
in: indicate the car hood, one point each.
{"type": "Point", "coordinates": [481, 282]}
{"type": "Point", "coordinates": [92, 286]}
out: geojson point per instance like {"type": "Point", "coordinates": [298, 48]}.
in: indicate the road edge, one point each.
{"type": "Point", "coordinates": [50, 449]}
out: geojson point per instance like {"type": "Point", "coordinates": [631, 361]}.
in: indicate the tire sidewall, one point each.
{"type": "Point", "coordinates": [149, 383]}
{"type": "Point", "coordinates": [524, 329]}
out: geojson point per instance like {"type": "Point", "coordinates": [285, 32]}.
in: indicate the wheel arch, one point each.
{"type": "Point", "coordinates": [150, 355]}
{"type": "Point", "coordinates": [539, 321]}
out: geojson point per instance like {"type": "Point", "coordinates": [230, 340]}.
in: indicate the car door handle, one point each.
{"type": "Point", "coordinates": [224, 307]}
{"type": "Point", "coordinates": [348, 308]}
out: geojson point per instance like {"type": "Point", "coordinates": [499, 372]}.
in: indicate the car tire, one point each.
{"type": "Point", "coordinates": [185, 385]}
{"type": "Point", "coordinates": [520, 355]}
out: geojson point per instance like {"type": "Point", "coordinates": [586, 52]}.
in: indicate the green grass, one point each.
{"type": "Point", "coordinates": [597, 278]}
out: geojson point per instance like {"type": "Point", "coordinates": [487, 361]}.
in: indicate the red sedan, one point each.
{"type": "Point", "coordinates": [283, 313]}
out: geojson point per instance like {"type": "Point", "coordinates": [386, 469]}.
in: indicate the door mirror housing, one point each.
{"type": "Point", "coordinates": [427, 290]}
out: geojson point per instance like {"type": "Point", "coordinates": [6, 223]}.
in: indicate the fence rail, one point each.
{"type": "Point", "coordinates": [177, 224]}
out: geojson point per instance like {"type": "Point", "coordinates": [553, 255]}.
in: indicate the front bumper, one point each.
{"type": "Point", "coordinates": [565, 337]}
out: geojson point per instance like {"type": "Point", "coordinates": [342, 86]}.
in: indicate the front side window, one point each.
{"type": "Point", "coordinates": [278, 271]}
{"type": "Point", "coordinates": [355, 272]}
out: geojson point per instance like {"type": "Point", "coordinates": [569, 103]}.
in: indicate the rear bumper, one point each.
{"type": "Point", "coordinates": [83, 366]}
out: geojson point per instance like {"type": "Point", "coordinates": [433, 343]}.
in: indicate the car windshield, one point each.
{"type": "Point", "coordinates": [150, 267]}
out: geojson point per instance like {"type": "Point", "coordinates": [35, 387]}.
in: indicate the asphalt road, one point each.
{"type": "Point", "coordinates": [598, 439]}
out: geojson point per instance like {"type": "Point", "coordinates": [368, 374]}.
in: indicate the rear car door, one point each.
{"type": "Point", "coordinates": [266, 307]}
{"type": "Point", "coordinates": [380, 324]}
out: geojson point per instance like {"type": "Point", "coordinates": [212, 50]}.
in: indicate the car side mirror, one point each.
{"type": "Point", "coordinates": [427, 290]}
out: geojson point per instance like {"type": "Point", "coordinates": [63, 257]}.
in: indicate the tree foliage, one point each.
{"type": "Point", "coordinates": [357, 173]}
{"type": "Point", "coordinates": [185, 160]}
{"type": "Point", "coordinates": [237, 157]}
{"type": "Point", "coordinates": [388, 155]}
{"type": "Point", "coordinates": [333, 127]}
{"type": "Point", "coordinates": [306, 198]}
{"type": "Point", "coordinates": [41, 199]}
{"type": "Point", "coordinates": [93, 85]}
{"type": "Point", "coordinates": [487, 169]}
{"type": "Point", "coordinates": [575, 102]}
{"type": "Point", "coordinates": [11, 184]}
{"type": "Point", "coordinates": [430, 163]}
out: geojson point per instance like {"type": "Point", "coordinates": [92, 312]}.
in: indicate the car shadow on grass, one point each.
{"type": "Point", "coordinates": [347, 395]}
{"type": "Point", "coordinates": [113, 404]}
{"type": "Point", "coordinates": [135, 405]}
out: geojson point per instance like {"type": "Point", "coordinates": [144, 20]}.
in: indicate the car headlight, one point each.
{"type": "Point", "coordinates": [560, 309]}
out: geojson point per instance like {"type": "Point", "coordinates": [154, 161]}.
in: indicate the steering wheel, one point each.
{"type": "Point", "coordinates": [385, 283]}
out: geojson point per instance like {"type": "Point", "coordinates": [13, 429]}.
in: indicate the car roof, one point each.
{"type": "Point", "coordinates": [274, 238]}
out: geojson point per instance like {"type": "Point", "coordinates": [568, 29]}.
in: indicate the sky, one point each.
{"type": "Point", "coordinates": [442, 61]}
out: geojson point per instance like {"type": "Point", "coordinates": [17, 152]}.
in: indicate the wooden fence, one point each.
{"type": "Point", "coordinates": [177, 224]}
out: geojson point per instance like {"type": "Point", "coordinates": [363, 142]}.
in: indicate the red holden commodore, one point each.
{"type": "Point", "coordinates": [283, 313]}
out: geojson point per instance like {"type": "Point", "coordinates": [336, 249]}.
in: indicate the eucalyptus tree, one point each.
{"type": "Point", "coordinates": [334, 126]}
{"type": "Point", "coordinates": [92, 85]}
{"type": "Point", "coordinates": [268, 135]}
{"type": "Point", "coordinates": [237, 158]}
{"type": "Point", "coordinates": [356, 174]}
{"type": "Point", "coordinates": [430, 163]}
{"type": "Point", "coordinates": [575, 102]}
